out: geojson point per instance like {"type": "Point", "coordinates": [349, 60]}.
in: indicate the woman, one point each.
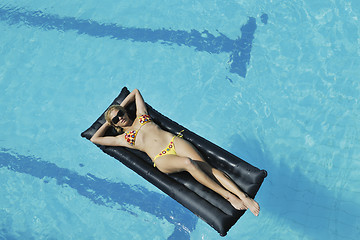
{"type": "Point", "coordinates": [169, 153]}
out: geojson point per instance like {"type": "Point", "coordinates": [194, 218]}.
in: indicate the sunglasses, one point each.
{"type": "Point", "coordinates": [115, 119]}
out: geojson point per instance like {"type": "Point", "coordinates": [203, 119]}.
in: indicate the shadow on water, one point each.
{"type": "Point", "coordinates": [239, 48]}
{"type": "Point", "coordinates": [106, 193]}
{"type": "Point", "coordinates": [290, 195]}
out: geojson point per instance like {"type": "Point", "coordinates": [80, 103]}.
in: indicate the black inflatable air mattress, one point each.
{"type": "Point", "coordinates": [203, 202]}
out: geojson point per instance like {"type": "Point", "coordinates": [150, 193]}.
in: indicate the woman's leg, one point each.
{"type": "Point", "coordinates": [186, 149]}
{"type": "Point", "coordinates": [173, 163]}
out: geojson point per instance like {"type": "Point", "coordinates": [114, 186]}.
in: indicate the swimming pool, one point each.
{"type": "Point", "coordinates": [274, 83]}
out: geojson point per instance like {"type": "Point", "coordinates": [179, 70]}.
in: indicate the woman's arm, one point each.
{"type": "Point", "coordinates": [98, 137]}
{"type": "Point", "coordinates": [135, 95]}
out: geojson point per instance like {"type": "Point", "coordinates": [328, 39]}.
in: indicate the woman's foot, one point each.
{"type": "Point", "coordinates": [236, 202]}
{"type": "Point", "coordinates": [251, 204]}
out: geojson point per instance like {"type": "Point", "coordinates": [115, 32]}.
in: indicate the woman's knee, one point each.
{"type": "Point", "coordinates": [190, 165]}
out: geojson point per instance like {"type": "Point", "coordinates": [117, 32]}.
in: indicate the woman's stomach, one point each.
{"type": "Point", "coordinates": [152, 139]}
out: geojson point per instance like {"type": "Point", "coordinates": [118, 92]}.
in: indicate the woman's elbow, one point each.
{"type": "Point", "coordinates": [93, 140]}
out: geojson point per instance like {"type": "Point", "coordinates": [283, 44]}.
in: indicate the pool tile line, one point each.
{"type": "Point", "coordinates": [239, 49]}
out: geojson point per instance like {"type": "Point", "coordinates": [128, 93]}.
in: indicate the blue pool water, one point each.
{"type": "Point", "coordinates": [274, 82]}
